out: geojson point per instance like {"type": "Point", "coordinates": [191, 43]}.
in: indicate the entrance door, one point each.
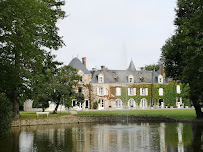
{"type": "Point", "coordinates": [101, 104]}
{"type": "Point", "coordinates": [143, 103]}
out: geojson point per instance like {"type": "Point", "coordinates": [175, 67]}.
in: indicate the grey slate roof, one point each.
{"type": "Point", "coordinates": [76, 63]}
{"type": "Point", "coordinates": [121, 76]}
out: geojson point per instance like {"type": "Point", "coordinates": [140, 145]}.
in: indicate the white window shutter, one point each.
{"type": "Point", "coordinates": [117, 93]}
{"type": "Point", "coordinates": [104, 91]}
{"type": "Point", "coordinates": [98, 91]}
{"type": "Point", "coordinates": [129, 91]}
{"type": "Point", "coordinates": [134, 91]}
{"type": "Point", "coordinates": [141, 91]}
{"type": "Point", "coordinates": [146, 91]}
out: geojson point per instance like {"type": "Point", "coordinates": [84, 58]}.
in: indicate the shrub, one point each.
{"type": "Point", "coordinates": [5, 115]}
{"type": "Point", "coordinates": [95, 105]}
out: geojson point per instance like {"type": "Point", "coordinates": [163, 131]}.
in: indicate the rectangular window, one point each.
{"type": "Point", "coordinates": [100, 91]}
{"type": "Point", "coordinates": [178, 89]}
{"type": "Point", "coordinates": [144, 91]}
{"type": "Point", "coordinates": [118, 91]}
{"type": "Point", "coordinates": [100, 80]}
{"type": "Point", "coordinates": [161, 92]}
{"type": "Point", "coordinates": [131, 91]}
{"type": "Point", "coordinates": [80, 90]}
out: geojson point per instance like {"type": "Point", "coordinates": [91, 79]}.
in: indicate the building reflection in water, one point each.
{"type": "Point", "coordinates": [110, 137]}
{"type": "Point", "coordinates": [26, 141]}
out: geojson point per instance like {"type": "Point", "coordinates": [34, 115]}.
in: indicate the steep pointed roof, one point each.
{"type": "Point", "coordinates": [76, 63]}
{"type": "Point", "coordinates": [131, 66]}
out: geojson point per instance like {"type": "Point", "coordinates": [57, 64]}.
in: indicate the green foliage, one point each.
{"type": "Point", "coordinates": [152, 67]}
{"type": "Point", "coordinates": [42, 81]}
{"type": "Point", "coordinates": [182, 53]}
{"type": "Point", "coordinates": [79, 97]}
{"type": "Point", "coordinates": [185, 94]}
{"type": "Point", "coordinates": [63, 84]}
{"type": "Point", "coordinates": [95, 105]}
{"type": "Point", "coordinates": [169, 95]}
{"type": "Point", "coordinates": [5, 115]}
{"type": "Point", "coordinates": [27, 29]}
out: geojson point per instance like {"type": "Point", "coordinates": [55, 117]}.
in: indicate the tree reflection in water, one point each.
{"type": "Point", "coordinates": [106, 137]}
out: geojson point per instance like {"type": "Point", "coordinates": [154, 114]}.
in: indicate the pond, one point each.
{"type": "Point", "coordinates": [108, 137]}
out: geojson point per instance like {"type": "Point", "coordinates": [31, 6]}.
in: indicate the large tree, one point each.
{"type": "Point", "coordinates": [63, 86]}
{"type": "Point", "coordinates": [183, 52]}
{"type": "Point", "coordinates": [42, 80]}
{"type": "Point", "coordinates": [27, 29]}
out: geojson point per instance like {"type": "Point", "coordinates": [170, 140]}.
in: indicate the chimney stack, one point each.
{"type": "Point", "coordinates": [142, 68]}
{"type": "Point", "coordinates": [84, 61]}
{"type": "Point", "coordinates": [102, 67]}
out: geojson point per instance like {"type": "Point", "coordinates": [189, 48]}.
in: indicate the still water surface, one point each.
{"type": "Point", "coordinates": [108, 137]}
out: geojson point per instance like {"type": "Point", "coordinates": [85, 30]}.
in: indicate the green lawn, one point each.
{"type": "Point", "coordinates": [34, 115]}
{"type": "Point", "coordinates": [184, 114]}
{"type": "Point", "coordinates": [177, 114]}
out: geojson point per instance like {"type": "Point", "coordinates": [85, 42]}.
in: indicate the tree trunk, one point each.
{"type": "Point", "coordinates": [15, 103]}
{"type": "Point", "coordinates": [56, 108]}
{"type": "Point", "coordinates": [198, 111]}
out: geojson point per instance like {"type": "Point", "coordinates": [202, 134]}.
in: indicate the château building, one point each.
{"type": "Point", "coordinates": [122, 89]}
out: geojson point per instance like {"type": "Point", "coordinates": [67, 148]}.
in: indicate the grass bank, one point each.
{"type": "Point", "coordinates": [27, 115]}
{"type": "Point", "coordinates": [180, 114]}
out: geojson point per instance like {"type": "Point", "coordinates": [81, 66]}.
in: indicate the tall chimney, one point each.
{"type": "Point", "coordinates": [162, 70]}
{"type": "Point", "coordinates": [84, 61]}
{"type": "Point", "coordinates": [102, 67]}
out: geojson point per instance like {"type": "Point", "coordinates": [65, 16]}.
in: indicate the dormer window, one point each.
{"type": "Point", "coordinates": [130, 79]}
{"type": "Point", "coordinates": [100, 78]}
{"type": "Point", "coordinates": [160, 79]}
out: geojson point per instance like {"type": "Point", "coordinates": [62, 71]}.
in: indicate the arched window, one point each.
{"type": "Point", "coordinates": [143, 103]}
{"type": "Point", "coordinates": [131, 102]}
{"type": "Point", "coordinates": [118, 103]}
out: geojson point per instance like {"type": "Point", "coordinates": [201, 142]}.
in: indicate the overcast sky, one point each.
{"type": "Point", "coordinates": [112, 32]}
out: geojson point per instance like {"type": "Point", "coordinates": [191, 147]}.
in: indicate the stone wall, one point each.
{"type": "Point", "coordinates": [86, 78]}
{"type": "Point", "coordinates": [74, 119]}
